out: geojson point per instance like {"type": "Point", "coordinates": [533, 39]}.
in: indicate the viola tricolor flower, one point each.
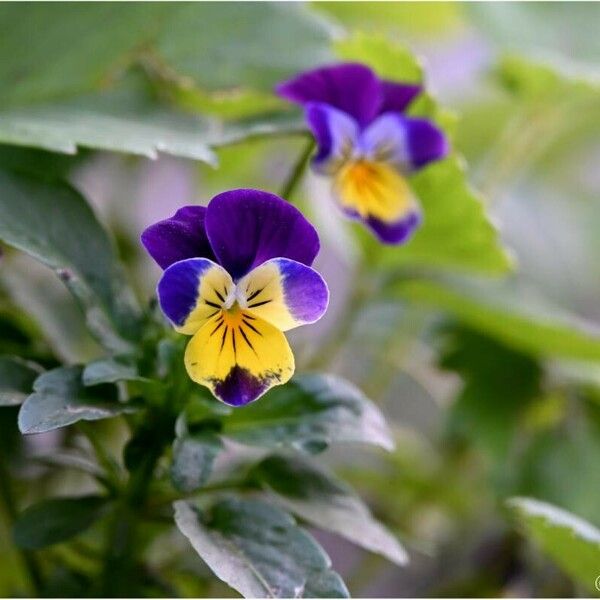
{"type": "Point", "coordinates": [237, 274]}
{"type": "Point", "coordinates": [366, 143]}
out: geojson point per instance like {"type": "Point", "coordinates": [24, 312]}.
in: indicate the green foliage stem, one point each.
{"type": "Point", "coordinates": [6, 498]}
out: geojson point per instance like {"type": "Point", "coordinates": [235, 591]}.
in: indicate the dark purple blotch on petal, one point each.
{"type": "Point", "coordinates": [181, 236]}
{"type": "Point", "coordinates": [350, 87]}
{"type": "Point", "coordinates": [248, 227]}
{"type": "Point", "coordinates": [240, 387]}
{"type": "Point", "coordinates": [394, 233]}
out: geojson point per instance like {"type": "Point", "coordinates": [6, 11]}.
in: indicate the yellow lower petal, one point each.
{"type": "Point", "coordinates": [373, 189]}
{"type": "Point", "coordinates": [239, 357]}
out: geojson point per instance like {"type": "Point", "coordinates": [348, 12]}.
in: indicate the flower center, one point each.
{"type": "Point", "coordinates": [372, 188]}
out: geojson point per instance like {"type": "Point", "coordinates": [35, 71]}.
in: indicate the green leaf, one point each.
{"type": "Point", "coordinates": [60, 399]}
{"type": "Point", "coordinates": [53, 521]}
{"type": "Point", "coordinates": [456, 230]}
{"type": "Point", "coordinates": [318, 408]}
{"type": "Point", "coordinates": [53, 223]}
{"type": "Point", "coordinates": [388, 60]}
{"type": "Point", "coordinates": [16, 379]}
{"type": "Point", "coordinates": [499, 384]}
{"type": "Point", "coordinates": [127, 120]}
{"type": "Point", "coordinates": [511, 315]}
{"type": "Point", "coordinates": [111, 370]}
{"type": "Point", "coordinates": [66, 50]}
{"type": "Point", "coordinates": [399, 19]}
{"type": "Point", "coordinates": [193, 458]}
{"type": "Point", "coordinates": [177, 45]}
{"type": "Point", "coordinates": [250, 43]}
{"type": "Point", "coordinates": [319, 498]}
{"type": "Point", "coordinates": [259, 550]}
{"type": "Point", "coordinates": [574, 544]}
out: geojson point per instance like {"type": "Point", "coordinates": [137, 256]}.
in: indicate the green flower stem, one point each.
{"type": "Point", "coordinates": [107, 462]}
{"type": "Point", "coordinates": [295, 175]}
{"type": "Point", "coordinates": [120, 572]}
{"type": "Point", "coordinates": [28, 559]}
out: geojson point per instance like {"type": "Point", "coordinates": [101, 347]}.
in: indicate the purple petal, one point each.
{"type": "Point", "coordinates": [397, 96]}
{"type": "Point", "coordinates": [394, 233]}
{"type": "Point", "coordinates": [335, 133]}
{"type": "Point", "coordinates": [352, 88]}
{"type": "Point", "coordinates": [179, 237]}
{"type": "Point", "coordinates": [285, 293]}
{"type": "Point", "coordinates": [190, 291]}
{"type": "Point", "coordinates": [248, 227]}
{"type": "Point", "coordinates": [305, 292]}
{"type": "Point", "coordinates": [426, 142]}
{"type": "Point", "coordinates": [406, 142]}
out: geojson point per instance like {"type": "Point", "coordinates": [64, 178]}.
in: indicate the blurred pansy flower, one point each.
{"type": "Point", "coordinates": [366, 144]}
{"type": "Point", "coordinates": [238, 274]}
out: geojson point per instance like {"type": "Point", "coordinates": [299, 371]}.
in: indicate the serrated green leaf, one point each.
{"type": "Point", "coordinates": [125, 121]}
{"type": "Point", "coordinates": [16, 379]}
{"type": "Point", "coordinates": [53, 521]}
{"type": "Point", "coordinates": [60, 399]}
{"type": "Point", "coordinates": [571, 542]}
{"type": "Point", "coordinates": [193, 458]}
{"type": "Point", "coordinates": [311, 408]}
{"type": "Point", "coordinates": [456, 232]}
{"type": "Point", "coordinates": [511, 315]}
{"type": "Point", "coordinates": [259, 550]}
{"type": "Point", "coordinates": [318, 497]}
{"type": "Point", "coordinates": [53, 223]}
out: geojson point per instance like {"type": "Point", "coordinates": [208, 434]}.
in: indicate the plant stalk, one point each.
{"type": "Point", "coordinates": [28, 559]}
{"type": "Point", "coordinates": [295, 175]}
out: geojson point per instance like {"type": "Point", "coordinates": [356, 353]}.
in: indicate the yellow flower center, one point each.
{"type": "Point", "coordinates": [372, 188]}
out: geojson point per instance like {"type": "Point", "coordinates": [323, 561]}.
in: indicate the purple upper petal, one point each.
{"type": "Point", "coordinates": [397, 96]}
{"type": "Point", "coordinates": [352, 88]}
{"type": "Point", "coordinates": [335, 133]}
{"type": "Point", "coordinates": [181, 236]}
{"type": "Point", "coordinates": [248, 227]}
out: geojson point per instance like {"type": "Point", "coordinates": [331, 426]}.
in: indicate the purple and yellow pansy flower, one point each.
{"type": "Point", "coordinates": [237, 274]}
{"type": "Point", "coordinates": [366, 143]}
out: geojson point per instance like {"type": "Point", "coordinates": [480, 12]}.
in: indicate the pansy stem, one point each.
{"type": "Point", "coordinates": [295, 175]}
{"type": "Point", "coordinates": [120, 569]}
{"type": "Point", "coordinates": [28, 559]}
